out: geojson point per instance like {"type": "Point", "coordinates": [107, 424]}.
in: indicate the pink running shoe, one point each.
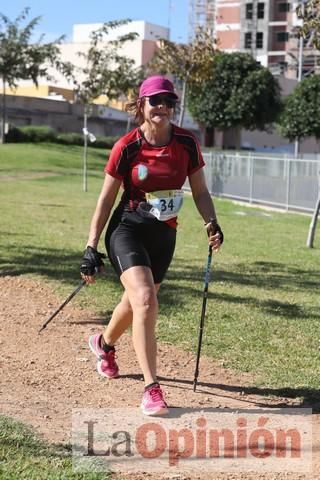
{"type": "Point", "coordinates": [153, 402]}
{"type": "Point", "coordinates": [106, 364]}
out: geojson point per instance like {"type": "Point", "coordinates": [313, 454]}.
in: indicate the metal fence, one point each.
{"type": "Point", "coordinates": [276, 181]}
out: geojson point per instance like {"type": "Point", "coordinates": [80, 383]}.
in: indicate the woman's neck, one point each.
{"type": "Point", "coordinates": [155, 136]}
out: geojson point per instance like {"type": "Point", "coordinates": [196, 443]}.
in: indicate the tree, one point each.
{"type": "Point", "coordinates": [301, 113]}
{"type": "Point", "coordinates": [106, 72]}
{"type": "Point", "coordinates": [238, 93]}
{"type": "Point", "coordinates": [301, 118]}
{"type": "Point", "coordinates": [21, 60]}
{"type": "Point", "coordinates": [190, 63]}
{"type": "Point", "coordinates": [310, 13]}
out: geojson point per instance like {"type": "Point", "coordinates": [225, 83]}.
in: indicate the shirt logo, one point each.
{"type": "Point", "coordinates": [142, 172]}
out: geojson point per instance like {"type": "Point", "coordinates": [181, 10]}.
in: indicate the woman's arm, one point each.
{"type": "Point", "coordinates": [104, 205]}
{"type": "Point", "coordinates": [205, 206]}
{"type": "Point", "coordinates": [92, 259]}
{"type": "Point", "coordinates": [202, 197]}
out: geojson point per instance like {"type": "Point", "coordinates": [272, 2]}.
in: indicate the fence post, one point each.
{"type": "Point", "coordinates": [251, 163]}
{"type": "Point", "coordinates": [211, 173]}
{"type": "Point", "coordinates": [288, 169]}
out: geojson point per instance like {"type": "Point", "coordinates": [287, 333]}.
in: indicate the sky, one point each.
{"type": "Point", "coordinates": [58, 16]}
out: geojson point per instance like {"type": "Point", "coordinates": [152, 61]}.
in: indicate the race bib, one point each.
{"type": "Point", "coordinates": [164, 204]}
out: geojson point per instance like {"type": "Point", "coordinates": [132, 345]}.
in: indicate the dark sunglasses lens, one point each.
{"type": "Point", "coordinates": [158, 100]}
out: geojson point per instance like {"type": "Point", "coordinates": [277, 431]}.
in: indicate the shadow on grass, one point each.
{"type": "Point", "coordinates": [310, 398]}
{"type": "Point", "coordinates": [63, 266]}
{"type": "Point", "coordinates": [54, 264]}
{"type": "Point", "coordinates": [266, 275]}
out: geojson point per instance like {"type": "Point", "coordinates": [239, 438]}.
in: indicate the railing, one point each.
{"type": "Point", "coordinates": [292, 184]}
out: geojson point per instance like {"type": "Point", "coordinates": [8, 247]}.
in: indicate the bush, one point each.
{"type": "Point", "coordinates": [15, 135]}
{"type": "Point", "coordinates": [38, 133]}
{"type": "Point", "coordinates": [104, 142]}
{"type": "Point", "coordinates": [70, 139]}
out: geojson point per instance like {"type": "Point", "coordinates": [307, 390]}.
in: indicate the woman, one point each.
{"type": "Point", "coordinates": [152, 163]}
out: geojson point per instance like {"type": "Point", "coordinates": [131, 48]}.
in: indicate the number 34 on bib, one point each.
{"type": "Point", "coordinates": [165, 203]}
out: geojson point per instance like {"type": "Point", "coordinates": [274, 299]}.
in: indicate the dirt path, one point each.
{"type": "Point", "coordinates": [43, 377]}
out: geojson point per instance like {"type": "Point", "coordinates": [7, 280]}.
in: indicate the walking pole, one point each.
{"type": "Point", "coordinates": [82, 284]}
{"type": "Point", "coordinates": [203, 314]}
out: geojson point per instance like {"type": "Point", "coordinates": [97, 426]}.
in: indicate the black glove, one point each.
{"type": "Point", "coordinates": [217, 229]}
{"type": "Point", "coordinates": [91, 261]}
{"type": "Point", "coordinates": [213, 227]}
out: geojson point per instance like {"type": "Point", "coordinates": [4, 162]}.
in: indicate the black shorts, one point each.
{"type": "Point", "coordinates": [133, 240]}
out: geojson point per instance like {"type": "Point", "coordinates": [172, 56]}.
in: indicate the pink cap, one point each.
{"type": "Point", "coordinates": [156, 84]}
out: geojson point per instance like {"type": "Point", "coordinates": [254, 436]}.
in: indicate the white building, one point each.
{"type": "Point", "coordinates": [141, 50]}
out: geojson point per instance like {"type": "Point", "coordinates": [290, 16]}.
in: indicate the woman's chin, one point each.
{"type": "Point", "coordinates": [160, 119]}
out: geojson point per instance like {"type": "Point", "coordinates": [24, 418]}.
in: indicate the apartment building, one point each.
{"type": "Point", "coordinates": [268, 29]}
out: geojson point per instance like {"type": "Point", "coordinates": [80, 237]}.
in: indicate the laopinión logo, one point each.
{"type": "Point", "coordinates": [191, 440]}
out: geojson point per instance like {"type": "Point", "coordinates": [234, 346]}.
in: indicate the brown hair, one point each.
{"type": "Point", "coordinates": [135, 107]}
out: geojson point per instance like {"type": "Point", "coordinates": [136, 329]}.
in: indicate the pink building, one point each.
{"type": "Point", "coordinates": [267, 29]}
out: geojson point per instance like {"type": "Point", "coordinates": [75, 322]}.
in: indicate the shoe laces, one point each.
{"type": "Point", "coordinates": [111, 358]}
{"type": "Point", "coordinates": [156, 393]}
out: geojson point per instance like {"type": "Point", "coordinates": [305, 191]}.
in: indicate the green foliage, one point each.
{"type": "Point", "coordinates": [104, 142]}
{"type": "Point", "coordinates": [38, 133]}
{"type": "Point", "coordinates": [77, 139]}
{"type": "Point", "coordinates": [190, 63]}
{"type": "Point", "coordinates": [263, 311]}
{"type": "Point", "coordinates": [70, 139]}
{"type": "Point", "coordinates": [301, 114]}
{"type": "Point", "coordinates": [22, 60]}
{"type": "Point", "coordinates": [106, 71]}
{"type": "Point", "coordinates": [41, 133]}
{"type": "Point", "coordinates": [18, 58]}
{"type": "Point", "coordinates": [24, 456]}
{"type": "Point", "coordinates": [238, 93]}
{"type": "Point", "coordinates": [14, 135]}
{"type": "Point", "coordinates": [310, 13]}
{"type": "Point", "coordinates": [31, 133]}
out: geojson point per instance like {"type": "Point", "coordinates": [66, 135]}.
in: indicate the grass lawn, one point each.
{"type": "Point", "coordinates": [263, 313]}
{"type": "Point", "coordinates": [23, 456]}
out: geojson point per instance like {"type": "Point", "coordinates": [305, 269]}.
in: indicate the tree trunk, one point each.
{"type": "Point", "coordinates": [3, 112]}
{"type": "Point", "coordinates": [183, 102]}
{"type": "Point", "coordinates": [232, 138]}
{"type": "Point", "coordinates": [313, 224]}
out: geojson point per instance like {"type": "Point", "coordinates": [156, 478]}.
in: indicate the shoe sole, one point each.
{"type": "Point", "coordinates": [98, 363]}
{"type": "Point", "coordinates": [156, 413]}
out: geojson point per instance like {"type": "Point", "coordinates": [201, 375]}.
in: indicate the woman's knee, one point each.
{"type": "Point", "coordinates": [125, 304]}
{"type": "Point", "coordinates": [145, 300]}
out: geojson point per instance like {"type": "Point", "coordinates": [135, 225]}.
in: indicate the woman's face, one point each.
{"type": "Point", "coordinates": [158, 109]}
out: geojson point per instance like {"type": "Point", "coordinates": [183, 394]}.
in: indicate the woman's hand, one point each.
{"type": "Point", "coordinates": [91, 264]}
{"type": "Point", "coordinates": [215, 235]}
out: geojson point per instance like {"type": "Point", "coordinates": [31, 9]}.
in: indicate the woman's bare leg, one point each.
{"type": "Point", "coordinates": [142, 296]}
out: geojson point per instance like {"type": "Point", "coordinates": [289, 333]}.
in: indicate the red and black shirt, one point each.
{"type": "Point", "coordinates": [147, 168]}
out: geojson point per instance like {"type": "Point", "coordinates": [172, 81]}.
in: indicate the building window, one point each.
{"type": "Point", "coordinates": [248, 40]}
{"type": "Point", "coordinates": [259, 40]}
{"type": "Point", "coordinates": [249, 11]}
{"type": "Point", "coordinates": [284, 7]}
{"type": "Point", "coordinates": [282, 37]}
{"type": "Point", "coordinates": [260, 10]}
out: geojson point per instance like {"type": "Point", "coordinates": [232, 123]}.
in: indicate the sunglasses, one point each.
{"type": "Point", "coordinates": [156, 100]}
